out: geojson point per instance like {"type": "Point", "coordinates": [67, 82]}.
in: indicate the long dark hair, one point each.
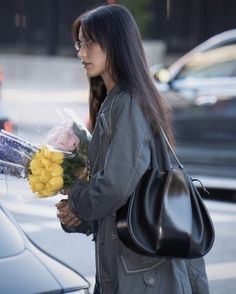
{"type": "Point", "coordinates": [115, 30]}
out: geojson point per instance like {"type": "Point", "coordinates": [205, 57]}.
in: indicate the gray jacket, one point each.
{"type": "Point", "coordinates": [120, 152]}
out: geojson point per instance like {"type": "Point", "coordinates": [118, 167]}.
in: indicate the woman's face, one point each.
{"type": "Point", "coordinates": [92, 57]}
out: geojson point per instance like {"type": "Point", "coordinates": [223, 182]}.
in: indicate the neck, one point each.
{"type": "Point", "coordinates": [108, 81]}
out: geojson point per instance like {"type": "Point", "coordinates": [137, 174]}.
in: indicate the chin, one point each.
{"type": "Point", "coordinates": [92, 75]}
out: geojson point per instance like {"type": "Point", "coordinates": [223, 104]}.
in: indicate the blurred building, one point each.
{"type": "Point", "coordinates": [44, 27]}
{"type": "Point", "coordinates": [190, 22]}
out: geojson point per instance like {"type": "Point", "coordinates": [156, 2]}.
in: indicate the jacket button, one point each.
{"type": "Point", "coordinates": [151, 280]}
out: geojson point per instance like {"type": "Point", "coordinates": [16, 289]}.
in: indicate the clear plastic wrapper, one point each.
{"type": "Point", "coordinates": [53, 165]}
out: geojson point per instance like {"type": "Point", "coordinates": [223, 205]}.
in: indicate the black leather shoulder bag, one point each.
{"type": "Point", "coordinates": [166, 216]}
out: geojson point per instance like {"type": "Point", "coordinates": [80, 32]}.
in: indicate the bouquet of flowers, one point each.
{"type": "Point", "coordinates": [52, 167]}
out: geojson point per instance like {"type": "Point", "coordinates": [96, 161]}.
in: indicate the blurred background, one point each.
{"type": "Point", "coordinates": [191, 51]}
{"type": "Point", "coordinates": [44, 27]}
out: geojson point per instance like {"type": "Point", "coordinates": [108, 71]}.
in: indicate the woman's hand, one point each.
{"type": "Point", "coordinates": [65, 216]}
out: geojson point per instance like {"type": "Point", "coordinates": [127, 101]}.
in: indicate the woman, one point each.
{"type": "Point", "coordinates": [126, 114]}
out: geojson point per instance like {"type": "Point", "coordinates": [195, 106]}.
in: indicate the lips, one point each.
{"type": "Point", "coordinates": [86, 64]}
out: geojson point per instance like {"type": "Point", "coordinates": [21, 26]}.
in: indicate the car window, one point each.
{"type": "Point", "coordinates": [222, 43]}
{"type": "Point", "coordinates": [11, 242]}
{"type": "Point", "coordinates": [218, 62]}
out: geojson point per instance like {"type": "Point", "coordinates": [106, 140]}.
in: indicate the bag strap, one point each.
{"type": "Point", "coordinates": [180, 164]}
{"type": "Point", "coordinates": [171, 149]}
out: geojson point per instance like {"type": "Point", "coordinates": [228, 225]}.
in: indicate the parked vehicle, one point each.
{"type": "Point", "coordinates": [1, 79]}
{"type": "Point", "coordinates": [201, 87]}
{"type": "Point", "coordinates": [5, 122]}
{"type": "Point", "coordinates": [25, 268]}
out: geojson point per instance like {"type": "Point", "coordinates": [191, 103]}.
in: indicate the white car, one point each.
{"type": "Point", "coordinates": [25, 268]}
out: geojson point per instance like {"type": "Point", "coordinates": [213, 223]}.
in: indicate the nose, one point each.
{"type": "Point", "coordinates": [82, 53]}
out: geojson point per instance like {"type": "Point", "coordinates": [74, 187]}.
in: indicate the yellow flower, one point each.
{"type": "Point", "coordinates": [33, 180]}
{"type": "Point", "coordinates": [35, 166]}
{"type": "Point", "coordinates": [45, 162]}
{"type": "Point", "coordinates": [57, 157]}
{"type": "Point", "coordinates": [46, 152]}
{"type": "Point", "coordinates": [56, 183]}
{"type": "Point", "coordinates": [56, 170]}
{"type": "Point", "coordinates": [45, 193]}
{"type": "Point", "coordinates": [39, 186]}
{"type": "Point", "coordinates": [46, 178]}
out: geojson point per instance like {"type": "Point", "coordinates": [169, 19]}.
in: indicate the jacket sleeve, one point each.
{"type": "Point", "coordinates": [127, 159]}
{"type": "Point", "coordinates": [84, 228]}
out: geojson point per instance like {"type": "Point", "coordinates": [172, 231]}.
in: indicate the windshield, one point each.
{"type": "Point", "coordinates": [218, 62]}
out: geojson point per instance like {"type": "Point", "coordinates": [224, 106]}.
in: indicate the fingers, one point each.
{"type": "Point", "coordinates": [74, 222]}
{"type": "Point", "coordinates": [64, 209]}
{"type": "Point", "coordinates": [69, 219]}
{"type": "Point", "coordinates": [61, 204]}
{"type": "Point", "coordinates": [65, 216]}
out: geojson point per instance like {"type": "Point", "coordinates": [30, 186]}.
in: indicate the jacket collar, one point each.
{"type": "Point", "coordinates": [109, 98]}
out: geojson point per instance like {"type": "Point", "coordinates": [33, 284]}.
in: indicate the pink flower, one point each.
{"type": "Point", "coordinates": [63, 137]}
